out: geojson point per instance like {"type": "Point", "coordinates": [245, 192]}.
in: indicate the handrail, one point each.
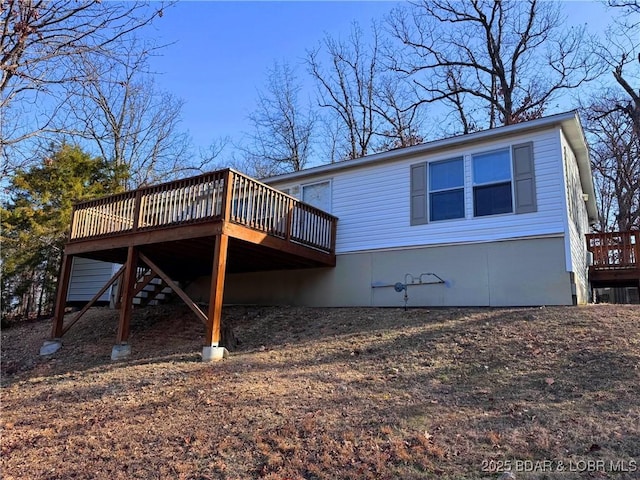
{"type": "Point", "coordinates": [614, 250]}
{"type": "Point", "coordinates": [203, 198]}
{"type": "Point", "coordinates": [103, 216]}
{"type": "Point", "coordinates": [266, 209]}
{"type": "Point", "coordinates": [182, 201]}
{"type": "Point", "coordinates": [172, 203]}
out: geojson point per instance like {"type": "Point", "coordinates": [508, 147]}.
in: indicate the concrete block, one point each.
{"type": "Point", "coordinates": [214, 354]}
{"type": "Point", "coordinates": [49, 347]}
{"type": "Point", "coordinates": [120, 352]}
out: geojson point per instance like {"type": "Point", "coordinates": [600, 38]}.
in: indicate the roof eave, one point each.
{"type": "Point", "coordinates": [430, 147]}
{"type": "Point", "coordinates": [574, 134]}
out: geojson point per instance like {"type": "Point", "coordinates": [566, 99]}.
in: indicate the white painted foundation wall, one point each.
{"type": "Point", "coordinates": [507, 273]}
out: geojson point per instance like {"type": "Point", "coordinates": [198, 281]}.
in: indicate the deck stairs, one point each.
{"type": "Point", "coordinates": [156, 292]}
{"type": "Point", "coordinates": [151, 290]}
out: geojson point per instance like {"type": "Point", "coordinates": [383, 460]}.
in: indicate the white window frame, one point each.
{"type": "Point", "coordinates": [461, 187]}
{"type": "Point", "coordinates": [475, 184]}
{"type": "Point", "coordinates": [328, 181]}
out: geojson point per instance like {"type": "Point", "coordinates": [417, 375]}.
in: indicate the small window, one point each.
{"type": "Point", "coordinates": [446, 189]}
{"type": "Point", "coordinates": [492, 191]}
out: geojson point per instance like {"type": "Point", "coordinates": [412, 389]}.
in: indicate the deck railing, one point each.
{"type": "Point", "coordinates": [266, 209]}
{"type": "Point", "coordinates": [201, 199]}
{"type": "Point", "coordinates": [614, 250]}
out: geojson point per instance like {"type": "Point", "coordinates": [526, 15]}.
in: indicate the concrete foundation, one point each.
{"type": "Point", "coordinates": [49, 347]}
{"type": "Point", "coordinates": [498, 274]}
{"type": "Point", "coordinates": [214, 354]}
{"type": "Point", "coordinates": [120, 352]}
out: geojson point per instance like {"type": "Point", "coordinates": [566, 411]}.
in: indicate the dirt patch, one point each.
{"type": "Point", "coordinates": [330, 394]}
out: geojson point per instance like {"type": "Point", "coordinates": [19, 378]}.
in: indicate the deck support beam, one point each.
{"type": "Point", "coordinates": [95, 298]}
{"type": "Point", "coordinates": [128, 285]}
{"type": "Point", "coordinates": [212, 349]}
{"type": "Point", "coordinates": [61, 296]}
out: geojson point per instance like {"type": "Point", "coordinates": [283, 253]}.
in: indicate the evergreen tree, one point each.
{"type": "Point", "coordinates": [35, 224]}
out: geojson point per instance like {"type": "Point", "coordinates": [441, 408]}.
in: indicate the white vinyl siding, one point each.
{"type": "Point", "coordinates": [372, 202]}
{"type": "Point", "coordinates": [87, 278]}
{"type": "Point", "coordinates": [577, 220]}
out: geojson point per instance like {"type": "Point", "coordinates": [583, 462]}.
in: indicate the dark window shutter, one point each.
{"type": "Point", "coordinates": [419, 194]}
{"type": "Point", "coordinates": [524, 178]}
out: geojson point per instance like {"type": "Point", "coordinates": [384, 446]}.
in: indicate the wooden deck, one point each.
{"type": "Point", "coordinates": [211, 224]}
{"type": "Point", "coordinates": [176, 222]}
{"type": "Point", "coordinates": [616, 259]}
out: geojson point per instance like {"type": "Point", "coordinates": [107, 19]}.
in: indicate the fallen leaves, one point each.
{"type": "Point", "coordinates": [349, 393]}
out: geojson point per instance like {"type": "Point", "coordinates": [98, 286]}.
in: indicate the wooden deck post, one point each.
{"type": "Point", "coordinates": [212, 350]}
{"type": "Point", "coordinates": [61, 296]}
{"type": "Point", "coordinates": [128, 284]}
{"type": "Point", "coordinates": [289, 226]}
{"type": "Point", "coordinates": [227, 196]}
{"type": "Point", "coordinates": [137, 205]}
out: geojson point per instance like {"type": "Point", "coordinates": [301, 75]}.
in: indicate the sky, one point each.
{"type": "Point", "coordinates": [219, 52]}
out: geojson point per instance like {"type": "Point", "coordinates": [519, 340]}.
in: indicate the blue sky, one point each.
{"type": "Point", "coordinates": [220, 51]}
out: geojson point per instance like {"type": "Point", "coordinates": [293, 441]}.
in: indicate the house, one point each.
{"type": "Point", "coordinates": [496, 218]}
{"type": "Point", "coordinates": [492, 218]}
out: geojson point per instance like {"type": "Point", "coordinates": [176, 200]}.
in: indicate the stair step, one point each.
{"type": "Point", "coordinates": [150, 288]}
{"type": "Point", "coordinates": [154, 292]}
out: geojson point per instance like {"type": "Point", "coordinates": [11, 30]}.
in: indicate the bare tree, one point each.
{"type": "Point", "coordinates": [134, 126]}
{"type": "Point", "coordinates": [281, 139]}
{"type": "Point", "coordinates": [331, 130]}
{"type": "Point", "coordinates": [620, 53]}
{"type": "Point", "coordinates": [629, 6]}
{"type": "Point", "coordinates": [347, 88]}
{"type": "Point", "coordinates": [40, 42]}
{"type": "Point", "coordinates": [210, 156]}
{"type": "Point", "coordinates": [613, 122]}
{"type": "Point", "coordinates": [615, 159]}
{"type": "Point", "coordinates": [395, 103]}
{"type": "Point", "coordinates": [494, 62]}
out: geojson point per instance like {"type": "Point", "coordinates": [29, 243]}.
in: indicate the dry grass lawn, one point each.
{"type": "Point", "coordinates": [329, 394]}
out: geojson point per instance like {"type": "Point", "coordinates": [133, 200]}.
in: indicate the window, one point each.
{"type": "Point", "coordinates": [500, 181]}
{"type": "Point", "coordinates": [446, 189]}
{"type": "Point", "coordinates": [492, 191]}
{"type": "Point", "coordinates": [318, 195]}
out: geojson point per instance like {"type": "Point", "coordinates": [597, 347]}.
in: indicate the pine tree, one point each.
{"type": "Point", "coordinates": [36, 220]}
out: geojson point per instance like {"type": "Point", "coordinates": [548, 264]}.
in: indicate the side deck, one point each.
{"type": "Point", "coordinates": [211, 224]}
{"type": "Point", "coordinates": [177, 222]}
{"type": "Point", "coordinates": [616, 259]}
